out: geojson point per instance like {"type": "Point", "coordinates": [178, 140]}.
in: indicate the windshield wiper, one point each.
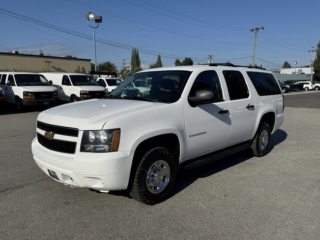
{"type": "Point", "coordinates": [142, 99]}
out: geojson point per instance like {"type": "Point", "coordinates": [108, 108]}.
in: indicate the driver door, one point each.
{"type": "Point", "coordinates": [207, 126]}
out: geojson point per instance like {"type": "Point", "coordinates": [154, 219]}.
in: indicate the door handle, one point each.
{"type": "Point", "coordinates": [223, 111]}
{"type": "Point", "coordinates": [250, 107]}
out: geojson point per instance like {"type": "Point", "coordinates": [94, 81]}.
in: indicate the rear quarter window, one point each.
{"type": "Point", "coordinates": [264, 83]}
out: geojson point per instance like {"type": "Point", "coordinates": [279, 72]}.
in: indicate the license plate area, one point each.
{"type": "Point", "coordinates": [53, 174]}
{"type": "Point", "coordinates": [45, 103]}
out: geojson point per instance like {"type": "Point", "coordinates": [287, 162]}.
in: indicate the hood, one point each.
{"type": "Point", "coordinates": [92, 114]}
{"type": "Point", "coordinates": [38, 88]}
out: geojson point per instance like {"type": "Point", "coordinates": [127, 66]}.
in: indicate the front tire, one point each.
{"type": "Point", "coordinates": [155, 176]}
{"type": "Point", "coordinates": [306, 89]}
{"type": "Point", "coordinates": [261, 141]}
{"type": "Point", "coordinates": [74, 98]}
{"type": "Point", "coordinates": [316, 88]}
{"type": "Point", "coordinates": [19, 105]}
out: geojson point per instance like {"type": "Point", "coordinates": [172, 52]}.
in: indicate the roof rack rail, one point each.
{"type": "Point", "coordinates": [227, 64]}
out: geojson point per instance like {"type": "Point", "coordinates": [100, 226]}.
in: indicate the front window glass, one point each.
{"type": "Point", "coordinates": [83, 80]}
{"type": "Point", "coordinates": [208, 80]}
{"type": "Point", "coordinates": [31, 80]}
{"type": "Point", "coordinates": [3, 79]}
{"type": "Point", "coordinates": [112, 82]}
{"type": "Point", "coordinates": [158, 86]}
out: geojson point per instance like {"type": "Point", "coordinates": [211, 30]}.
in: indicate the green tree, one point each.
{"type": "Point", "coordinates": [316, 63]}
{"type": "Point", "coordinates": [77, 70]}
{"type": "Point", "coordinates": [286, 65]}
{"type": "Point", "coordinates": [80, 70]}
{"type": "Point", "coordinates": [177, 62]}
{"type": "Point", "coordinates": [125, 72]}
{"type": "Point", "coordinates": [107, 67]}
{"type": "Point", "coordinates": [187, 62]}
{"type": "Point", "coordinates": [135, 61]}
{"type": "Point", "coordinates": [69, 56]}
{"type": "Point", "coordinates": [157, 64]}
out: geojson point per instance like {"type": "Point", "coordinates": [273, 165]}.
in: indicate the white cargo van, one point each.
{"type": "Point", "coordinates": [1, 100]}
{"type": "Point", "coordinates": [73, 87]}
{"type": "Point", "coordinates": [28, 89]}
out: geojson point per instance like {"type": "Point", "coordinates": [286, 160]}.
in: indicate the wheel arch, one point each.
{"type": "Point", "coordinates": [269, 118]}
{"type": "Point", "coordinates": [170, 141]}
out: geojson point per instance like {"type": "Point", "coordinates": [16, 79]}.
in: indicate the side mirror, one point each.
{"type": "Point", "coordinates": [50, 82]}
{"type": "Point", "coordinates": [202, 97]}
{"type": "Point", "coordinates": [9, 83]}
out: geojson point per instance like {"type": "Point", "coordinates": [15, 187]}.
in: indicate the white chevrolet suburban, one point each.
{"type": "Point", "coordinates": [133, 140]}
{"type": "Point", "coordinates": [73, 87]}
{"type": "Point", "coordinates": [28, 89]}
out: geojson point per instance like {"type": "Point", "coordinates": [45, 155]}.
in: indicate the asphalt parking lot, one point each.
{"type": "Point", "coordinates": [239, 197]}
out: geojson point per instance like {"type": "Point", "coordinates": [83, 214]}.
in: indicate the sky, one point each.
{"type": "Point", "coordinates": [169, 28]}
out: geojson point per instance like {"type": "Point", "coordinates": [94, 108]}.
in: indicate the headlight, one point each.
{"type": "Point", "coordinates": [100, 141]}
{"type": "Point", "coordinates": [55, 94]}
{"type": "Point", "coordinates": [84, 94]}
{"type": "Point", "coordinates": [28, 95]}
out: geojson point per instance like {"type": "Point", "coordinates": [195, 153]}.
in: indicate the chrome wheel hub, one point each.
{"type": "Point", "coordinates": [263, 140]}
{"type": "Point", "coordinates": [158, 176]}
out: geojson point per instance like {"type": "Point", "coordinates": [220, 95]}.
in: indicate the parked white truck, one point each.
{"type": "Point", "coordinates": [136, 141]}
{"type": "Point", "coordinates": [28, 89]}
{"type": "Point", "coordinates": [74, 87]}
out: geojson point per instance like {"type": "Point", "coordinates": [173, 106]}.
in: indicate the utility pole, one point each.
{"type": "Point", "coordinates": [210, 59]}
{"type": "Point", "coordinates": [313, 50]}
{"type": "Point", "coordinates": [255, 42]}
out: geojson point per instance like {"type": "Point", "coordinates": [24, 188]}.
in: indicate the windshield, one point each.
{"type": "Point", "coordinates": [83, 80]}
{"type": "Point", "coordinates": [158, 86]}
{"type": "Point", "coordinates": [31, 80]}
{"type": "Point", "coordinates": [113, 82]}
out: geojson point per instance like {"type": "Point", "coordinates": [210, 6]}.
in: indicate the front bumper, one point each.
{"type": "Point", "coordinates": [99, 171]}
{"type": "Point", "coordinates": [40, 102]}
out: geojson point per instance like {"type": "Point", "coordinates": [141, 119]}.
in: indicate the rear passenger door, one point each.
{"type": "Point", "coordinates": [243, 112]}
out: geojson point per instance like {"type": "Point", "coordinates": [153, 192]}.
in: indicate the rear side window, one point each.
{"type": "Point", "coordinates": [265, 83]}
{"type": "Point", "coordinates": [236, 84]}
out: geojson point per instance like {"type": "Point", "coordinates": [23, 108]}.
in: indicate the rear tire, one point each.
{"type": "Point", "coordinates": [316, 88]}
{"type": "Point", "coordinates": [306, 89]}
{"type": "Point", "coordinates": [261, 141]}
{"type": "Point", "coordinates": [155, 176]}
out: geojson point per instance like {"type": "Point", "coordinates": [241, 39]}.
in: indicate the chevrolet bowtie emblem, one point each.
{"type": "Point", "coordinates": [49, 135]}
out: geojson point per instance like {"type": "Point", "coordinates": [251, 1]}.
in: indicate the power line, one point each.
{"type": "Point", "coordinates": [196, 21]}
{"type": "Point", "coordinates": [161, 29]}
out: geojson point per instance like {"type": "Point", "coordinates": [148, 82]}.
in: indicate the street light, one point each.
{"type": "Point", "coordinates": [295, 69]}
{"type": "Point", "coordinates": [90, 16]}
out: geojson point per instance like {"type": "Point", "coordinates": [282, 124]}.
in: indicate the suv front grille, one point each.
{"type": "Point", "coordinates": [73, 132]}
{"type": "Point", "coordinates": [43, 95]}
{"type": "Point", "coordinates": [96, 94]}
{"type": "Point", "coordinates": [57, 145]}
